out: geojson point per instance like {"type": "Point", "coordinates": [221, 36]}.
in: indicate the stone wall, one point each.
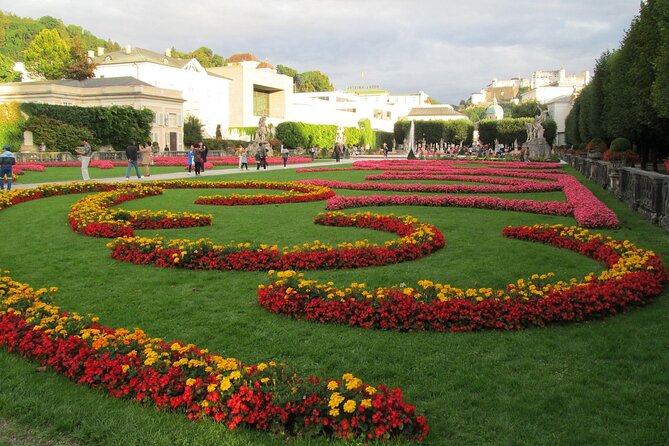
{"type": "Point", "coordinates": [645, 192]}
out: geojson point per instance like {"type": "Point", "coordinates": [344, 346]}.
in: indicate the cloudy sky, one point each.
{"type": "Point", "coordinates": [447, 48]}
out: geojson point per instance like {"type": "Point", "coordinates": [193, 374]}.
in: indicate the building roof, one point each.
{"type": "Point", "coordinates": [442, 110]}
{"type": "Point", "coordinates": [96, 82]}
{"type": "Point", "coordinates": [139, 55]}
{"type": "Point", "coordinates": [264, 65]}
{"type": "Point", "coordinates": [242, 57]}
{"type": "Point", "coordinates": [560, 99]}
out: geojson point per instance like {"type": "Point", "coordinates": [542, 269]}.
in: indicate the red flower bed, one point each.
{"type": "Point", "coordinates": [417, 240]}
{"type": "Point", "coordinates": [633, 278]}
{"type": "Point", "coordinates": [537, 207]}
{"type": "Point", "coordinates": [182, 378]}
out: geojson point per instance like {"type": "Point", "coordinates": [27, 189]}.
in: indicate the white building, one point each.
{"type": "Point", "coordinates": [256, 90]}
{"type": "Point", "coordinates": [339, 108]}
{"type": "Point", "coordinates": [558, 110]}
{"type": "Point", "coordinates": [206, 95]}
{"type": "Point", "coordinates": [433, 113]}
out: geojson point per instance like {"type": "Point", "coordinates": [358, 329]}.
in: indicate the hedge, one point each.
{"type": "Point", "coordinates": [11, 124]}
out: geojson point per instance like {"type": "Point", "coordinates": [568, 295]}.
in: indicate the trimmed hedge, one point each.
{"type": "Point", "coordinates": [434, 131]}
{"type": "Point", "coordinates": [57, 135]}
{"type": "Point", "coordinates": [115, 126]}
{"type": "Point", "coordinates": [11, 124]}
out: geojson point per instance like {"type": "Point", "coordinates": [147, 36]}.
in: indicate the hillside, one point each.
{"type": "Point", "coordinates": [16, 33]}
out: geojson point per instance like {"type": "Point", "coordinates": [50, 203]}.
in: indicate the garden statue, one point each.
{"type": "Point", "coordinates": [536, 145]}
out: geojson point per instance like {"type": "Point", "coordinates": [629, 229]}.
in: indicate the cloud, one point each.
{"type": "Point", "coordinates": [446, 48]}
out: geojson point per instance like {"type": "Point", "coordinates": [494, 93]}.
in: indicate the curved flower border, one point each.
{"type": "Point", "coordinates": [180, 377]}
{"type": "Point", "coordinates": [94, 217]}
{"type": "Point", "coordinates": [416, 240]}
{"type": "Point", "coordinates": [632, 278]}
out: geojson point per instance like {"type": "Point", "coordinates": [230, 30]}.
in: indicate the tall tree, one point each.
{"type": "Point", "coordinates": [48, 55]}
{"type": "Point", "coordinates": [192, 130]}
{"type": "Point", "coordinates": [80, 66]}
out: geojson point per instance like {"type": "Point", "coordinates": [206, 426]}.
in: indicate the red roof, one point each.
{"type": "Point", "coordinates": [242, 57]}
{"type": "Point", "coordinates": [265, 65]}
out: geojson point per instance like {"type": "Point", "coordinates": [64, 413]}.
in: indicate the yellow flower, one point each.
{"type": "Point", "coordinates": [366, 403]}
{"type": "Point", "coordinates": [349, 406]}
{"type": "Point", "coordinates": [333, 385]}
{"type": "Point", "coordinates": [334, 412]}
{"type": "Point", "coordinates": [225, 384]}
{"type": "Point", "coordinates": [190, 382]}
{"type": "Point", "coordinates": [125, 368]}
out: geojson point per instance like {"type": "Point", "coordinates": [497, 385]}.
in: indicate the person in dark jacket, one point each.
{"type": "Point", "coordinates": [7, 160]}
{"type": "Point", "coordinates": [131, 153]}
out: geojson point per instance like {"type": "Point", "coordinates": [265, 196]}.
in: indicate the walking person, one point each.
{"type": "Point", "coordinates": [7, 160]}
{"type": "Point", "coordinates": [198, 161]}
{"type": "Point", "coordinates": [337, 152]}
{"type": "Point", "coordinates": [204, 151]}
{"type": "Point", "coordinates": [243, 160]}
{"type": "Point", "coordinates": [284, 155]}
{"type": "Point", "coordinates": [190, 156]}
{"type": "Point", "coordinates": [258, 159]}
{"type": "Point", "coordinates": [132, 152]}
{"type": "Point", "coordinates": [85, 152]}
{"type": "Point", "coordinates": [385, 150]}
{"type": "Point", "coordinates": [146, 158]}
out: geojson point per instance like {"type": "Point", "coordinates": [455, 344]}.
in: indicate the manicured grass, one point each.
{"type": "Point", "coordinates": [600, 383]}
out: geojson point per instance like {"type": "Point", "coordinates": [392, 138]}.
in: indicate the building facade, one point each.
{"type": "Point", "coordinates": [205, 94]}
{"type": "Point", "coordinates": [166, 104]}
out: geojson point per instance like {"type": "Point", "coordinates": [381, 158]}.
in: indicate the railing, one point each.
{"type": "Point", "coordinates": [645, 192]}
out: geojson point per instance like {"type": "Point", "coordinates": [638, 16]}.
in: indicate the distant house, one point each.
{"type": "Point", "coordinates": [206, 94]}
{"type": "Point", "coordinates": [434, 112]}
{"type": "Point", "coordinates": [122, 91]}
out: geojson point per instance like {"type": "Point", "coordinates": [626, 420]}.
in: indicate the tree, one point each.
{"type": "Point", "coordinates": [7, 73]}
{"type": "Point", "coordinates": [206, 57]}
{"type": "Point", "coordinates": [550, 131]}
{"type": "Point", "coordinates": [192, 130]}
{"type": "Point", "coordinates": [310, 81]}
{"type": "Point", "coordinates": [475, 113]}
{"type": "Point", "coordinates": [48, 55]}
{"type": "Point", "coordinates": [527, 109]}
{"type": "Point", "coordinates": [80, 66]}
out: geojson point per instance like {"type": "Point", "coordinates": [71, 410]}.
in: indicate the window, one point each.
{"type": "Point", "coordinates": [260, 103]}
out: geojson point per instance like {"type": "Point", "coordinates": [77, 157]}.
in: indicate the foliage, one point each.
{"type": "Point", "coordinates": [384, 137]}
{"type": "Point", "coordinates": [293, 134]}
{"type": "Point", "coordinates": [527, 109]}
{"type": "Point", "coordinates": [310, 81]}
{"type": "Point", "coordinates": [223, 144]}
{"type": "Point", "coordinates": [48, 56]}
{"type": "Point", "coordinates": [628, 93]}
{"type": "Point", "coordinates": [550, 131]}
{"type": "Point", "coordinates": [7, 73]}
{"type": "Point", "coordinates": [192, 130]}
{"type": "Point", "coordinates": [11, 124]}
{"type": "Point", "coordinates": [367, 135]}
{"type": "Point", "coordinates": [80, 66]}
{"type": "Point", "coordinates": [621, 145]}
{"type": "Point", "coordinates": [16, 33]}
{"type": "Point", "coordinates": [506, 131]}
{"type": "Point", "coordinates": [115, 125]}
{"type": "Point", "coordinates": [57, 135]}
{"type": "Point", "coordinates": [596, 144]}
{"type": "Point", "coordinates": [475, 113]}
{"type": "Point", "coordinates": [205, 56]}
{"type": "Point", "coordinates": [436, 131]}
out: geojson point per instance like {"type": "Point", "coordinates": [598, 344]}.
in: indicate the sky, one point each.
{"type": "Point", "coordinates": [446, 48]}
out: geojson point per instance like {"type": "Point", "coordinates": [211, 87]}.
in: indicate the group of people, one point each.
{"type": "Point", "coordinates": [139, 155]}
{"type": "Point", "coordinates": [196, 157]}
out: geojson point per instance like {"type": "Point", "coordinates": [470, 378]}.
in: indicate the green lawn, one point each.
{"type": "Point", "coordinates": [596, 383]}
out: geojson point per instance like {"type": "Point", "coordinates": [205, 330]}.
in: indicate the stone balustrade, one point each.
{"type": "Point", "coordinates": [645, 192]}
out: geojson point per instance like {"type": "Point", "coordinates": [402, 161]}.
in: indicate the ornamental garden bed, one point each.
{"type": "Point", "coordinates": [446, 378]}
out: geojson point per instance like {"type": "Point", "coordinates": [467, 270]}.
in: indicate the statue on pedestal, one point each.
{"type": "Point", "coordinates": [536, 144]}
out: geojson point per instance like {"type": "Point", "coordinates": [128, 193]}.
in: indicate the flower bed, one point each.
{"type": "Point", "coordinates": [632, 278]}
{"type": "Point", "coordinates": [295, 193]}
{"type": "Point", "coordinates": [537, 207]}
{"type": "Point", "coordinates": [93, 216]}
{"type": "Point", "coordinates": [179, 377]}
{"type": "Point", "coordinates": [499, 185]}
{"type": "Point", "coordinates": [416, 240]}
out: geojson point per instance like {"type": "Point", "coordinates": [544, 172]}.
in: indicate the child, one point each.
{"type": "Point", "coordinates": [189, 158]}
{"type": "Point", "coordinates": [243, 161]}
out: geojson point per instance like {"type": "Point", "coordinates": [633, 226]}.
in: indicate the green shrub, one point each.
{"type": "Point", "coordinates": [621, 145]}
{"type": "Point", "coordinates": [596, 144]}
{"type": "Point", "coordinates": [115, 126]}
{"type": "Point", "coordinates": [58, 136]}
